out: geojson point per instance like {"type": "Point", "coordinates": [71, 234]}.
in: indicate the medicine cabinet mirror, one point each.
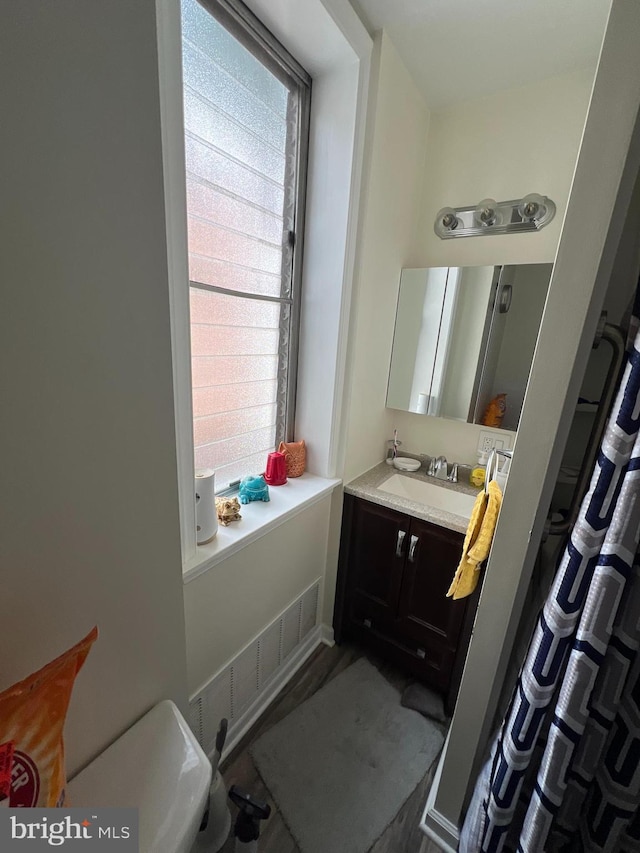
{"type": "Point", "coordinates": [464, 335]}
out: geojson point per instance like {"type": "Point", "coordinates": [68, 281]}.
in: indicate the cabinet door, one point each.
{"type": "Point", "coordinates": [425, 614]}
{"type": "Point", "coordinates": [376, 564]}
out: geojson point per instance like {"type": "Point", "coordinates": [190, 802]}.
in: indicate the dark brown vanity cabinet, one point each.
{"type": "Point", "coordinates": [394, 573]}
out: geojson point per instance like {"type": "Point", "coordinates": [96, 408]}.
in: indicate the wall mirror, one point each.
{"type": "Point", "coordinates": [464, 335]}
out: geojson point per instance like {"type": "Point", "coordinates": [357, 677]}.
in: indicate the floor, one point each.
{"type": "Point", "coordinates": [401, 836]}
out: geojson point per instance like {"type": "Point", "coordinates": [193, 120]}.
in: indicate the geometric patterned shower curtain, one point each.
{"type": "Point", "coordinates": [564, 774]}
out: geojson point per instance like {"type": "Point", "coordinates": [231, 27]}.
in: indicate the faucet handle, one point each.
{"type": "Point", "coordinates": [431, 470]}
{"type": "Point", "coordinates": [441, 468]}
{"type": "Point", "coordinates": [453, 475]}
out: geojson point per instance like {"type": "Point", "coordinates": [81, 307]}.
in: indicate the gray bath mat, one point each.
{"type": "Point", "coordinates": [342, 764]}
{"type": "Point", "coordinates": [425, 701]}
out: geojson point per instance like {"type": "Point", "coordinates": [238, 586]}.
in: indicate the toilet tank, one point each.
{"type": "Point", "coordinates": [158, 767]}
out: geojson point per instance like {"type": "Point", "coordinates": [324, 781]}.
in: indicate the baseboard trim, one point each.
{"type": "Point", "coordinates": [435, 825]}
{"type": "Point", "coordinates": [278, 682]}
{"type": "Point", "coordinates": [327, 636]}
{"type": "Point", "coordinates": [440, 830]}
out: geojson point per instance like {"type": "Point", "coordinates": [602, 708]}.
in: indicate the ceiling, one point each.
{"type": "Point", "coordinates": [458, 50]}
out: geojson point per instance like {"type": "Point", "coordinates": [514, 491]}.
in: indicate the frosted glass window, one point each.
{"type": "Point", "coordinates": [246, 112]}
{"type": "Point", "coordinates": [209, 167]}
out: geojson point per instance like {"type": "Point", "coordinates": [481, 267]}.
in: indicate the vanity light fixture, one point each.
{"type": "Point", "coordinates": [495, 217]}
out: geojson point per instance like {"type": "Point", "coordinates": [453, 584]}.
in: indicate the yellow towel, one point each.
{"type": "Point", "coordinates": [477, 541]}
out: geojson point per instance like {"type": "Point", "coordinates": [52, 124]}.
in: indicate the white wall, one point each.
{"type": "Point", "coordinates": [330, 153]}
{"type": "Point", "coordinates": [397, 131]}
{"type": "Point", "coordinates": [478, 150]}
{"type": "Point", "coordinates": [89, 518]}
{"type": "Point", "coordinates": [230, 604]}
{"type": "Point", "coordinates": [504, 146]}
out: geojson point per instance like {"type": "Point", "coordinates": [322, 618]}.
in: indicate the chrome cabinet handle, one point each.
{"type": "Point", "coordinates": [412, 547]}
{"type": "Point", "coordinates": [400, 540]}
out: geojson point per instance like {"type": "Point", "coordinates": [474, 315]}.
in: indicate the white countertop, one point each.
{"type": "Point", "coordinates": [367, 486]}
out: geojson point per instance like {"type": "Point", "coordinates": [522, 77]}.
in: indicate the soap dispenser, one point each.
{"type": "Point", "coordinates": [479, 471]}
{"type": "Point", "coordinates": [503, 473]}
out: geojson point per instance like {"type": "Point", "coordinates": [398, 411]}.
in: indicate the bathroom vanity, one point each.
{"type": "Point", "coordinates": [398, 555]}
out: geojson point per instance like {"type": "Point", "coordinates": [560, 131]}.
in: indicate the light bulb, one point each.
{"type": "Point", "coordinates": [532, 206]}
{"type": "Point", "coordinates": [486, 213]}
{"type": "Point", "coordinates": [448, 218]}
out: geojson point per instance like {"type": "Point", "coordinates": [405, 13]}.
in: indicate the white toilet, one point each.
{"type": "Point", "coordinates": [158, 767]}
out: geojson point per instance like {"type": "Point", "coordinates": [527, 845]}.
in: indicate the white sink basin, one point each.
{"type": "Point", "coordinates": [428, 493]}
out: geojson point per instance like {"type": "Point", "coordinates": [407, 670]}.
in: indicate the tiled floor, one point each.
{"type": "Point", "coordinates": [401, 836]}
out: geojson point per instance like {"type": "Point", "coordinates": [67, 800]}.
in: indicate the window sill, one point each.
{"type": "Point", "coordinates": [259, 518]}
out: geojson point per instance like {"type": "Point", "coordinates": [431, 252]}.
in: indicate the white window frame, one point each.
{"type": "Point", "coordinates": [328, 38]}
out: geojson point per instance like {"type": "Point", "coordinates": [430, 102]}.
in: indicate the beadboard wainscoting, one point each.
{"type": "Point", "coordinates": [245, 686]}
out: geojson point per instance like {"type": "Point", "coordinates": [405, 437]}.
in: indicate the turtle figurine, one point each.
{"type": "Point", "coordinates": [253, 489]}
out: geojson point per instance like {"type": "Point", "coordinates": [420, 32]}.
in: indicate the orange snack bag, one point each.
{"type": "Point", "coordinates": [6, 763]}
{"type": "Point", "coordinates": [32, 715]}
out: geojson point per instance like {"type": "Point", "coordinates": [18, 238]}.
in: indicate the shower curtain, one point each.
{"type": "Point", "coordinates": [564, 770]}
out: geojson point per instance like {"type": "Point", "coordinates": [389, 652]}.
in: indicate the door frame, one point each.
{"type": "Point", "coordinates": [604, 178]}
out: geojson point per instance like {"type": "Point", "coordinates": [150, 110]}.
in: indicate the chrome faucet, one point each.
{"type": "Point", "coordinates": [440, 468]}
